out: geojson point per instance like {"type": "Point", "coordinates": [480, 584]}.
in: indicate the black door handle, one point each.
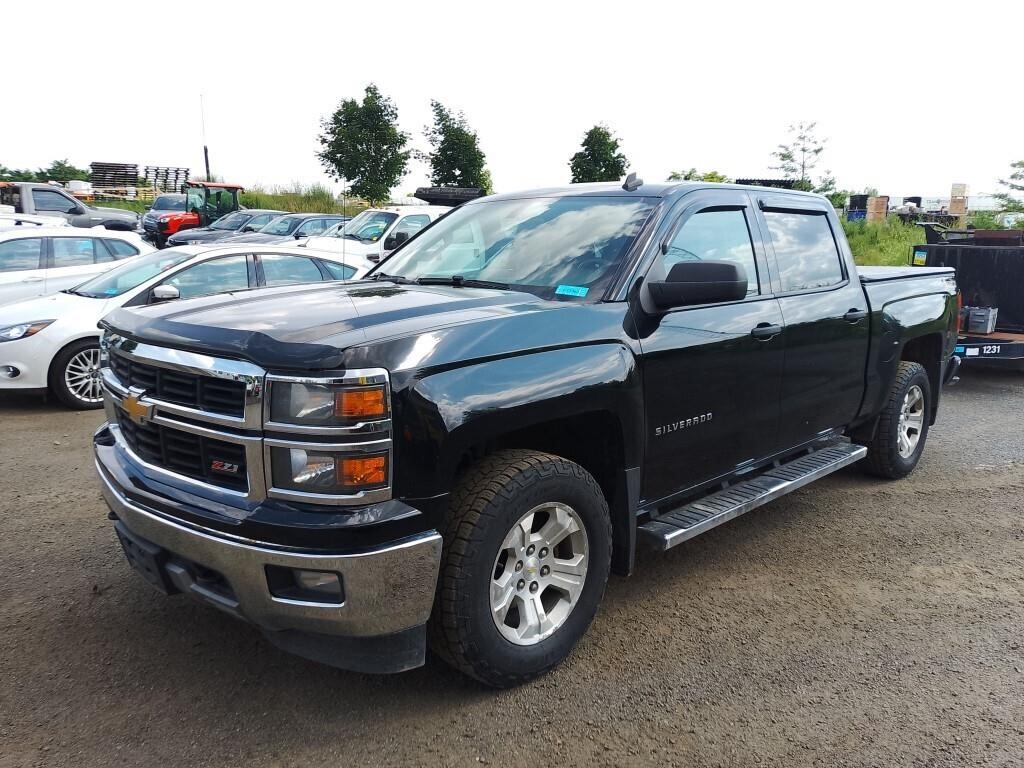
{"type": "Point", "coordinates": [765, 331]}
{"type": "Point", "coordinates": [855, 315]}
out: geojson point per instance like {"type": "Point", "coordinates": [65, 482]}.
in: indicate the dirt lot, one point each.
{"type": "Point", "coordinates": [855, 622]}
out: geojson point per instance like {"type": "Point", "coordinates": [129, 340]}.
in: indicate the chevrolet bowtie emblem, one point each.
{"type": "Point", "coordinates": [136, 410]}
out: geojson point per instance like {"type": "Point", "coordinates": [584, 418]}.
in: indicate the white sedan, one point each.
{"type": "Point", "coordinates": [35, 261]}
{"type": "Point", "coordinates": [52, 343]}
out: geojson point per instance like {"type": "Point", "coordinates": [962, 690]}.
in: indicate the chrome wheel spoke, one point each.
{"type": "Point", "coordinates": [539, 575]}
{"type": "Point", "coordinates": [81, 376]}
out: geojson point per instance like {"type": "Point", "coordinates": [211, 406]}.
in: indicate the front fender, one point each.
{"type": "Point", "coordinates": [443, 416]}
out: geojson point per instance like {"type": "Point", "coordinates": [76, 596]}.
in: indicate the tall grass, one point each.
{"type": "Point", "coordinates": [300, 199]}
{"type": "Point", "coordinates": [882, 243]}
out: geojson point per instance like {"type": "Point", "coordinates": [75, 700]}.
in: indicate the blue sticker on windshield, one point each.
{"type": "Point", "coordinates": [571, 290]}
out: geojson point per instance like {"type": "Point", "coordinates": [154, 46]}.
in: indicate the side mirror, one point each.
{"type": "Point", "coordinates": [300, 235]}
{"type": "Point", "coordinates": [247, 228]}
{"type": "Point", "coordinates": [393, 241]}
{"type": "Point", "coordinates": [374, 257]}
{"type": "Point", "coordinates": [165, 293]}
{"type": "Point", "coordinates": [700, 282]}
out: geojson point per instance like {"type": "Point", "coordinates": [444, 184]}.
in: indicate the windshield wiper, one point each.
{"type": "Point", "coordinates": [390, 278]}
{"type": "Point", "coordinates": [459, 281]}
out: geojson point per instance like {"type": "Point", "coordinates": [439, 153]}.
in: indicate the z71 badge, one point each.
{"type": "Point", "coordinates": [224, 466]}
{"type": "Point", "coordinates": [664, 429]}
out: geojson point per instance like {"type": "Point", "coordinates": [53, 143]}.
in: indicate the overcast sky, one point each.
{"type": "Point", "coordinates": [911, 96]}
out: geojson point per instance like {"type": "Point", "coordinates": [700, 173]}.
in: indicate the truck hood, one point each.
{"type": "Point", "coordinates": [364, 324]}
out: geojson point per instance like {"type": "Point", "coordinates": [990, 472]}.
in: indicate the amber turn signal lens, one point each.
{"type": "Point", "coordinates": [364, 471]}
{"type": "Point", "coordinates": [360, 403]}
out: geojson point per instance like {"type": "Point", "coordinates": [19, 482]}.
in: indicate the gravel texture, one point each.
{"type": "Point", "coordinates": [855, 622]}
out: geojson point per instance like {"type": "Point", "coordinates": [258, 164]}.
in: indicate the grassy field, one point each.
{"type": "Point", "coordinates": [296, 199]}
{"type": "Point", "coordinates": [883, 243]}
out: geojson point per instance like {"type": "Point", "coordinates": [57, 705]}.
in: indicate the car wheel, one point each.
{"type": "Point", "coordinates": [524, 566]}
{"type": "Point", "coordinates": [903, 425]}
{"type": "Point", "coordinates": [75, 375]}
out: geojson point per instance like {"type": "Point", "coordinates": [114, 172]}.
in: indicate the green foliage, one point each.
{"type": "Point", "coordinates": [985, 220]}
{"type": "Point", "coordinates": [799, 157]}
{"type": "Point", "coordinates": [882, 243]}
{"type": "Point", "coordinates": [456, 159]}
{"type": "Point", "coordinates": [599, 158]}
{"type": "Point", "coordinates": [1015, 183]}
{"type": "Point", "coordinates": [694, 175]}
{"type": "Point", "coordinates": [363, 145]}
{"type": "Point", "coordinates": [58, 170]}
{"type": "Point", "coordinates": [298, 199]}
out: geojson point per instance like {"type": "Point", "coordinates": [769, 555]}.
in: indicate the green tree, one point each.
{"type": "Point", "coordinates": [62, 170]}
{"type": "Point", "coordinates": [800, 155]}
{"type": "Point", "coordinates": [599, 158]}
{"type": "Point", "coordinates": [1015, 183]}
{"type": "Point", "coordinates": [694, 175]}
{"type": "Point", "coordinates": [363, 145]}
{"type": "Point", "coordinates": [456, 159]}
{"type": "Point", "coordinates": [16, 174]}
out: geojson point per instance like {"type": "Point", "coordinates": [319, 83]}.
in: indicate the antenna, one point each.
{"type": "Point", "coordinates": [202, 123]}
{"type": "Point", "coordinates": [632, 183]}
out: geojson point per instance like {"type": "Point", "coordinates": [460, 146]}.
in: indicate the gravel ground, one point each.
{"type": "Point", "coordinates": [855, 622]}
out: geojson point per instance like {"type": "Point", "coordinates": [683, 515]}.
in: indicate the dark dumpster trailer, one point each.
{"type": "Point", "coordinates": [989, 268]}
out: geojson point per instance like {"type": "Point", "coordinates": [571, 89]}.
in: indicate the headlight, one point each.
{"type": "Point", "coordinates": [22, 330]}
{"type": "Point", "coordinates": [327, 405]}
{"type": "Point", "coordinates": [325, 471]}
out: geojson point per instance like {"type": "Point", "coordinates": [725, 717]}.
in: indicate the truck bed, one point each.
{"type": "Point", "coordinates": [881, 274]}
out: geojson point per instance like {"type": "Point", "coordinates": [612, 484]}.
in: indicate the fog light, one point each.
{"type": "Point", "coordinates": [9, 371]}
{"type": "Point", "coordinates": [305, 585]}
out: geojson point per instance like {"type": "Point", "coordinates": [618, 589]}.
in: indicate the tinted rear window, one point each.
{"type": "Point", "coordinates": [805, 250]}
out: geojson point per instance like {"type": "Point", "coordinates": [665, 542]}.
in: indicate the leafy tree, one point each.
{"type": "Point", "coordinates": [456, 159]}
{"type": "Point", "coordinates": [363, 145]}
{"type": "Point", "coordinates": [16, 174]}
{"type": "Point", "coordinates": [58, 170]}
{"type": "Point", "coordinates": [799, 157]}
{"type": "Point", "coordinates": [694, 175]}
{"type": "Point", "coordinates": [62, 170]}
{"type": "Point", "coordinates": [599, 158]}
{"type": "Point", "coordinates": [1013, 184]}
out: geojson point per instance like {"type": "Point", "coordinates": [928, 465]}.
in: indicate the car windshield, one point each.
{"type": "Point", "coordinates": [282, 225]}
{"type": "Point", "coordinates": [130, 275]}
{"type": "Point", "coordinates": [231, 222]}
{"type": "Point", "coordinates": [555, 247]}
{"type": "Point", "coordinates": [368, 226]}
{"type": "Point", "coordinates": [169, 203]}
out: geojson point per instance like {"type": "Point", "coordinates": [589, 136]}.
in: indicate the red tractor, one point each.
{"type": "Point", "coordinates": [205, 201]}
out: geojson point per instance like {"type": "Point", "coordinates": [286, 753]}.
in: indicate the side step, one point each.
{"type": "Point", "coordinates": [705, 513]}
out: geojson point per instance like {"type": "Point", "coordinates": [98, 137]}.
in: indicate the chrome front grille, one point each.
{"type": "Point", "coordinates": [199, 421]}
{"type": "Point", "coordinates": [217, 395]}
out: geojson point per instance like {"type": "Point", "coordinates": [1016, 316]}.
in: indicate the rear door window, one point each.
{"type": "Point", "coordinates": [805, 250]}
{"type": "Point", "coordinates": [338, 271]}
{"type": "Point", "coordinates": [285, 269]}
{"type": "Point", "coordinates": [73, 251]}
{"type": "Point", "coordinates": [21, 254]}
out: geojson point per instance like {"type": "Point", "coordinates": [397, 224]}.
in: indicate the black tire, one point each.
{"type": "Point", "coordinates": [884, 458]}
{"type": "Point", "coordinates": [489, 500]}
{"type": "Point", "coordinates": [57, 383]}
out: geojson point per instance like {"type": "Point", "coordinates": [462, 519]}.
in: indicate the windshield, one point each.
{"type": "Point", "coordinates": [130, 275]}
{"type": "Point", "coordinates": [368, 226]}
{"type": "Point", "coordinates": [169, 203]}
{"type": "Point", "coordinates": [282, 225]}
{"type": "Point", "coordinates": [232, 221]}
{"type": "Point", "coordinates": [554, 247]}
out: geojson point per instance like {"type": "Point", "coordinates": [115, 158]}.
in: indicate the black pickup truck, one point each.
{"type": "Point", "coordinates": [459, 449]}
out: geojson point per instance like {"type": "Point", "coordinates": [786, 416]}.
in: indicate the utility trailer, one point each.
{"type": "Point", "coordinates": [989, 268]}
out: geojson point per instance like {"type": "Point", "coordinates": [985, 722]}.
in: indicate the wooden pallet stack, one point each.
{"type": "Point", "coordinates": [107, 175]}
{"type": "Point", "coordinates": [165, 179]}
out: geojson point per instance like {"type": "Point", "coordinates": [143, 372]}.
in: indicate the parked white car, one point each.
{"type": "Point", "coordinates": [53, 342]}
{"type": "Point", "coordinates": [375, 232]}
{"type": "Point", "coordinates": [12, 220]}
{"type": "Point", "coordinates": [35, 261]}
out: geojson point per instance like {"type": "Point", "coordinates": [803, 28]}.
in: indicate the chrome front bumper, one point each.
{"type": "Point", "coordinates": [386, 591]}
